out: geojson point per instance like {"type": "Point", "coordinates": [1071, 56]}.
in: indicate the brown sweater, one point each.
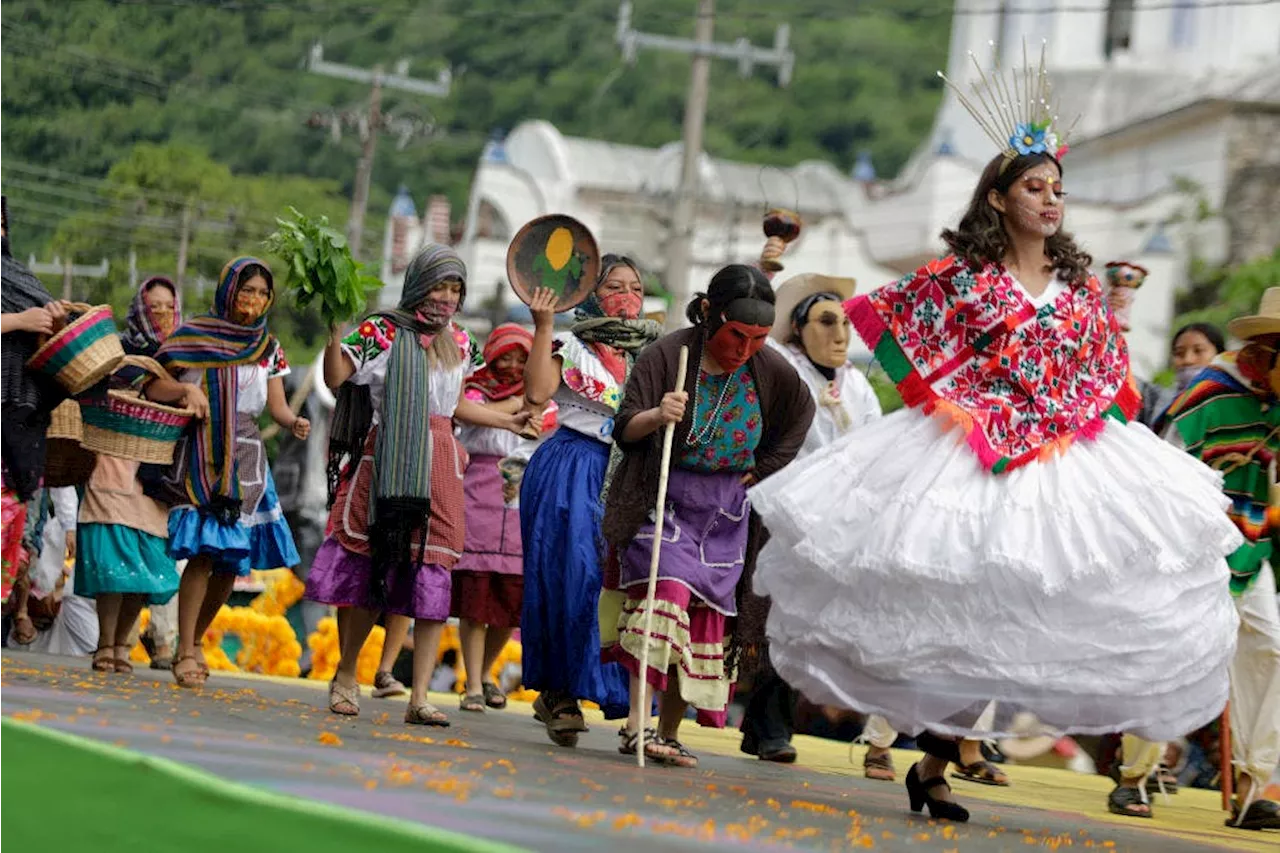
{"type": "Point", "coordinates": [786, 409]}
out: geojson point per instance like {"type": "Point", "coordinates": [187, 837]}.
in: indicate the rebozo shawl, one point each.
{"type": "Point", "coordinates": [140, 335]}
{"type": "Point", "coordinates": [217, 346]}
{"type": "Point", "coordinates": [28, 397]}
{"type": "Point", "coordinates": [502, 340]}
{"type": "Point", "coordinates": [1224, 423]}
{"type": "Point", "coordinates": [970, 346]}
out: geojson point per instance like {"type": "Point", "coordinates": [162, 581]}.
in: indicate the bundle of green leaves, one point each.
{"type": "Point", "coordinates": [320, 266]}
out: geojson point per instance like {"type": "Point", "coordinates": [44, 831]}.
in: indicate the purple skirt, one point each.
{"type": "Point", "coordinates": [493, 529]}
{"type": "Point", "coordinates": [343, 578]}
{"type": "Point", "coordinates": [704, 538]}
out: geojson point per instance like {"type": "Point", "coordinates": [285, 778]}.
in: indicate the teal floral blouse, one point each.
{"type": "Point", "coordinates": [730, 443]}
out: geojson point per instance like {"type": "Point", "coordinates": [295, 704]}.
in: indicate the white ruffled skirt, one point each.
{"type": "Point", "coordinates": [1090, 590]}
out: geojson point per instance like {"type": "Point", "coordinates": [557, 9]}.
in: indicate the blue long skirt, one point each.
{"type": "Point", "coordinates": [561, 509]}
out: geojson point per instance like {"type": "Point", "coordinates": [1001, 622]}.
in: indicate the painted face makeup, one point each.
{"type": "Point", "coordinates": [825, 334]}
{"type": "Point", "coordinates": [734, 343]}
{"type": "Point", "coordinates": [1035, 202]}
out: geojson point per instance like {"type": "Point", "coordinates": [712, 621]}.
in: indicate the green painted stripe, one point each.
{"type": "Point", "coordinates": [183, 808]}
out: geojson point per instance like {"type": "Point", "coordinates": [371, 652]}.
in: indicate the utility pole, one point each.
{"type": "Point", "coordinates": [703, 49]}
{"type": "Point", "coordinates": [184, 246]}
{"type": "Point", "coordinates": [370, 126]}
{"type": "Point", "coordinates": [69, 270]}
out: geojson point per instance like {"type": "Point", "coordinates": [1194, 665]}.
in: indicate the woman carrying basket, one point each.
{"type": "Point", "coordinates": [228, 520]}
{"type": "Point", "coordinates": [122, 558]}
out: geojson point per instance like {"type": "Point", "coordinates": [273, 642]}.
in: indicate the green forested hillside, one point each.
{"type": "Point", "coordinates": [216, 95]}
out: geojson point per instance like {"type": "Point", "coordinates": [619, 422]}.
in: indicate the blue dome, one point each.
{"type": "Point", "coordinates": [402, 204]}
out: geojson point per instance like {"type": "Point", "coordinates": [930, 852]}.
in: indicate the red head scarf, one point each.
{"type": "Point", "coordinates": [487, 380]}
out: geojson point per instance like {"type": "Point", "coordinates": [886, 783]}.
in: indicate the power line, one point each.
{"type": "Point", "coordinates": [761, 11]}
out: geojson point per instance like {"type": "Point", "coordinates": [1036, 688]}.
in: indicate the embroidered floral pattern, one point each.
{"type": "Point", "coordinates": [1021, 381]}
{"type": "Point", "coordinates": [275, 363]}
{"type": "Point", "coordinates": [375, 335]}
{"type": "Point", "coordinates": [583, 372]}
{"type": "Point", "coordinates": [731, 444]}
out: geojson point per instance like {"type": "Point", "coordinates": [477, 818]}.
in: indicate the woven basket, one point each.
{"type": "Point", "coordinates": [65, 422]}
{"type": "Point", "coordinates": [66, 463]}
{"type": "Point", "coordinates": [84, 352]}
{"type": "Point", "coordinates": [126, 425]}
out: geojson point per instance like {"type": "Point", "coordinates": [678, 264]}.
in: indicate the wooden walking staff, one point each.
{"type": "Point", "coordinates": [668, 437]}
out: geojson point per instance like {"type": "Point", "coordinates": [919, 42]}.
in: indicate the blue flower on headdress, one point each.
{"type": "Point", "coordinates": [1028, 139]}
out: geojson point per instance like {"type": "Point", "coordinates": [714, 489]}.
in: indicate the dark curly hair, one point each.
{"type": "Point", "coordinates": [980, 238]}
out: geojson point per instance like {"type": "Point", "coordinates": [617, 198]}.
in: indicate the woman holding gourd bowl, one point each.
{"type": "Point", "coordinates": [396, 524]}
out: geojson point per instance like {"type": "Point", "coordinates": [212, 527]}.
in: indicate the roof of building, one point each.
{"type": "Point", "coordinates": [815, 186]}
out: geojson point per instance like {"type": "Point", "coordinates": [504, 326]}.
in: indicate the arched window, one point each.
{"type": "Point", "coordinates": [491, 224]}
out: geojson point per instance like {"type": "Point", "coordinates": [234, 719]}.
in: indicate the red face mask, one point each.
{"type": "Point", "coordinates": [625, 305]}
{"type": "Point", "coordinates": [734, 343]}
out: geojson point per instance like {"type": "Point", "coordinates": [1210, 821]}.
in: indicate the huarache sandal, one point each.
{"type": "Point", "coordinates": [344, 701]}
{"type": "Point", "coordinates": [122, 664]}
{"type": "Point", "coordinates": [982, 772]}
{"type": "Point", "coordinates": [564, 720]}
{"type": "Point", "coordinates": [104, 663]}
{"type": "Point", "coordinates": [425, 714]}
{"type": "Point", "coordinates": [879, 767]}
{"type": "Point", "coordinates": [680, 756]}
{"type": "Point", "coordinates": [1127, 801]}
{"type": "Point", "coordinates": [189, 677]}
{"type": "Point", "coordinates": [493, 695]}
{"type": "Point", "coordinates": [473, 703]}
{"type": "Point", "coordinates": [655, 748]}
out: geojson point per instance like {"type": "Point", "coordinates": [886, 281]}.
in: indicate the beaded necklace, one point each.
{"type": "Point", "coordinates": [698, 436]}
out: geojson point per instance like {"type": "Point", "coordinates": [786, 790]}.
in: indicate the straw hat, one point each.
{"type": "Point", "coordinates": [1265, 322]}
{"type": "Point", "coordinates": [794, 290]}
{"type": "Point", "coordinates": [1031, 739]}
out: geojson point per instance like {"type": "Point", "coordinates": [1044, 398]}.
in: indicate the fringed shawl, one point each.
{"type": "Point", "coordinates": [216, 345]}
{"type": "Point", "coordinates": [970, 347]}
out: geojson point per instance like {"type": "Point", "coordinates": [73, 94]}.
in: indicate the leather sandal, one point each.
{"type": "Point", "coordinates": [983, 773]}
{"type": "Point", "coordinates": [105, 663]}
{"type": "Point", "coordinates": [190, 678]}
{"type": "Point", "coordinates": [473, 703]}
{"type": "Point", "coordinates": [425, 714]}
{"type": "Point", "coordinates": [879, 767]}
{"type": "Point", "coordinates": [344, 701]}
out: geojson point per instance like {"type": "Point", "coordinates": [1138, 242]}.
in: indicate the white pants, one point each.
{"type": "Point", "coordinates": [1255, 681]}
{"type": "Point", "coordinates": [163, 627]}
{"type": "Point", "coordinates": [1255, 691]}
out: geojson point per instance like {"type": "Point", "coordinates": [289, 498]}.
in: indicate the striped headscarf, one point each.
{"type": "Point", "coordinates": [217, 346]}
{"type": "Point", "coordinates": [141, 335]}
{"type": "Point", "coordinates": [502, 340]}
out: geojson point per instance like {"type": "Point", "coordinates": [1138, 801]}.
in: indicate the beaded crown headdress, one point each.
{"type": "Point", "coordinates": [1015, 107]}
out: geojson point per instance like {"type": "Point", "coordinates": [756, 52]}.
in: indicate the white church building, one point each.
{"type": "Point", "coordinates": [1175, 155]}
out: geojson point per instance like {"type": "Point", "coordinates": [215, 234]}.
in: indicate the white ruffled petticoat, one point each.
{"type": "Point", "coordinates": [1090, 590]}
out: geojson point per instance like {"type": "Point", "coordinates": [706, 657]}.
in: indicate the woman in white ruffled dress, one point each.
{"type": "Point", "coordinates": [1010, 534]}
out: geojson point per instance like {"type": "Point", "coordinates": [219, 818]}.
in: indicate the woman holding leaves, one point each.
{"type": "Point", "coordinates": [227, 519]}
{"type": "Point", "coordinates": [121, 554]}
{"type": "Point", "coordinates": [562, 496]}
{"type": "Point", "coordinates": [397, 515]}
